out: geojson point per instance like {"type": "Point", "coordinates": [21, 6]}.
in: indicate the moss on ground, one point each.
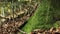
{"type": "Point", "coordinates": [43, 17]}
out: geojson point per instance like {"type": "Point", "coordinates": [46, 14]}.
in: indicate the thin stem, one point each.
{"type": "Point", "coordinates": [13, 10]}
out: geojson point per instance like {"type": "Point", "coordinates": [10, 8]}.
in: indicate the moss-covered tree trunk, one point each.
{"type": "Point", "coordinates": [43, 17]}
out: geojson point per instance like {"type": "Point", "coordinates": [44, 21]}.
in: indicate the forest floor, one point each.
{"type": "Point", "coordinates": [12, 26]}
{"type": "Point", "coordinates": [51, 31]}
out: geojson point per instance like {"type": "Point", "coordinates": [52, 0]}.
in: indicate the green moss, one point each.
{"type": "Point", "coordinates": [56, 24]}
{"type": "Point", "coordinates": [42, 18]}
